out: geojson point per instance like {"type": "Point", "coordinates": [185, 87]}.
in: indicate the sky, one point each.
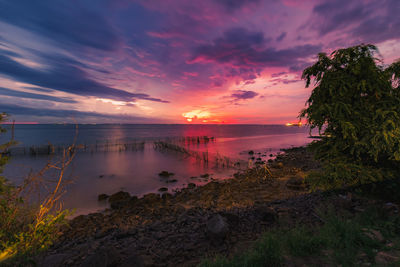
{"type": "Point", "coordinates": [176, 61]}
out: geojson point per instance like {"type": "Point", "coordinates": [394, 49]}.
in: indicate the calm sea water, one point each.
{"type": "Point", "coordinates": [109, 170]}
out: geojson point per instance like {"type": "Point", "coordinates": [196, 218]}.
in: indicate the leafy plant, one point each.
{"type": "Point", "coordinates": [25, 227]}
{"type": "Point", "coordinates": [356, 102]}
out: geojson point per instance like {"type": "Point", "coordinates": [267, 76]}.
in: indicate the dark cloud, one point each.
{"type": "Point", "coordinates": [8, 92]}
{"type": "Point", "coordinates": [281, 37]}
{"type": "Point", "coordinates": [239, 47]}
{"type": "Point", "coordinates": [66, 22]}
{"type": "Point", "coordinates": [39, 89]}
{"type": "Point", "coordinates": [15, 110]}
{"type": "Point", "coordinates": [243, 95]}
{"type": "Point", "coordinates": [232, 5]}
{"type": "Point", "coordinates": [65, 75]}
{"type": "Point", "coordinates": [366, 21]}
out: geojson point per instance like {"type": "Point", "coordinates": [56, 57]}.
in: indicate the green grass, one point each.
{"type": "Point", "coordinates": [340, 240]}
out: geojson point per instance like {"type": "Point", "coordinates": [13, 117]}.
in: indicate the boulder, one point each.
{"type": "Point", "coordinates": [266, 214]}
{"type": "Point", "coordinates": [217, 227]}
{"type": "Point", "coordinates": [102, 197]}
{"type": "Point", "coordinates": [151, 198]}
{"type": "Point", "coordinates": [54, 260]}
{"type": "Point", "coordinates": [132, 260]}
{"type": "Point", "coordinates": [165, 174]}
{"type": "Point", "coordinates": [119, 199]}
{"type": "Point", "coordinates": [296, 183]}
{"type": "Point", "coordinates": [103, 257]}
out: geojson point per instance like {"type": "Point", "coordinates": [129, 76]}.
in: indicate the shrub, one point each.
{"type": "Point", "coordinates": [25, 227]}
{"type": "Point", "coordinates": [356, 102]}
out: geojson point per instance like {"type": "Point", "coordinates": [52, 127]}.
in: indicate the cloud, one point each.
{"type": "Point", "coordinates": [65, 22]}
{"type": "Point", "coordinates": [8, 92]}
{"type": "Point", "coordinates": [15, 110]}
{"type": "Point", "coordinates": [232, 5]}
{"type": "Point", "coordinates": [65, 74]}
{"type": "Point", "coordinates": [364, 21]}
{"type": "Point", "coordinates": [243, 95]}
{"type": "Point", "coordinates": [281, 37]}
{"type": "Point", "coordinates": [239, 47]}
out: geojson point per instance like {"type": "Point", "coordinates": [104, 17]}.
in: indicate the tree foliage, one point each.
{"type": "Point", "coordinates": [356, 102]}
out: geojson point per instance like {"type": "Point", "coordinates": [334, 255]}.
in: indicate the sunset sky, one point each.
{"type": "Point", "coordinates": [176, 61]}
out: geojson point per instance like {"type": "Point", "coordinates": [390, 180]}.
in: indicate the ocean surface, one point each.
{"type": "Point", "coordinates": [129, 157]}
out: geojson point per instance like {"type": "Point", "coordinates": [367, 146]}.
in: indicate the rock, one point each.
{"type": "Point", "coordinates": [166, 196]}
{"type": "Point", "coordinates": [385, 258]}
{"type": "Point", "coordinates": [271, 155]}
{"type": "Point", "coordinates": [296, 183]}
{"type": "Point", "coordinates": [266, 214]}
{"type": "Point", "coordinates": [191, 185]}
{"type": "Point", "coordinates": [374, 234]}
{"type": "Point", "coordinates": [206, 175]}
{"type": "Point", "coordinates": [163, 189]}
{"type": "Point", "coordinates": [165, 174]}
{"type": "Point", "coordinates": [103, 257]}
{"type": "Point", "coordinates": [119, 196]}
{"type": "Point", "coordinates": [102, 197]}
{"type": "Point", "coordinates": [270, 160]}
{"type": "Point", "coordinates": [232, 219]}
{"type": "Point", "coordinates": [172, 181]}
{"type": "Point", "coordinates": [217, 227]}
{"type": "Point", "coordinates": [151, 198]}
{"type": "Point", "coordinates": [54, 260]}
{"type": "Point", "coordinates": [251, 152]}
{"type": "Point", "coordinates": [119, 199]}
{"type": "Point", "coordinates": [391, 208]}
{"type": "Point", "coordinates": [277, 165]}
{"type": "Point", "coordinates": [132, 260]}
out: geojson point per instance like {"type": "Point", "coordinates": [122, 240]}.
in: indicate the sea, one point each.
{"type": "Point", "coordinates": [130, 157]}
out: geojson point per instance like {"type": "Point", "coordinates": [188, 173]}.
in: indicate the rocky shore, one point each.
{"type": "Point", "coordinates": [221, 217]}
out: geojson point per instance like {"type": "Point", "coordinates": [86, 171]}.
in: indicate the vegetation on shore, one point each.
{"type": "Point", "coordinates": [370, 237]}
{"type": "Point", "coordinates": [27, 227]}
{"type": "Point", "coordinates": [356, 102]}
{"type": "Point", "coordinates": [356, 105]}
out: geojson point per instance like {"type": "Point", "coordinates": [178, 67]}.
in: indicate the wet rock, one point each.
{"type": "Point", "coordinates": [165, 174]}
{"type": "Point", "coordinates": [163, 189]}
{"type": "Point", "coordinates": [119, 199]}
{"type": "Point", "coordinates": [102, 197]}
{"type": "Point", "coordinates": [119, 196]}
{"type": "Point", "coordinates": [151, 198]}
{"type": "Point", "coordinates": [217, 227]}
{"type": "Point", "coordinates": [103, 257]}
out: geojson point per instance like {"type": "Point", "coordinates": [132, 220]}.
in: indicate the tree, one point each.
{"type": "Point", "coordinates": [356, 102]}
